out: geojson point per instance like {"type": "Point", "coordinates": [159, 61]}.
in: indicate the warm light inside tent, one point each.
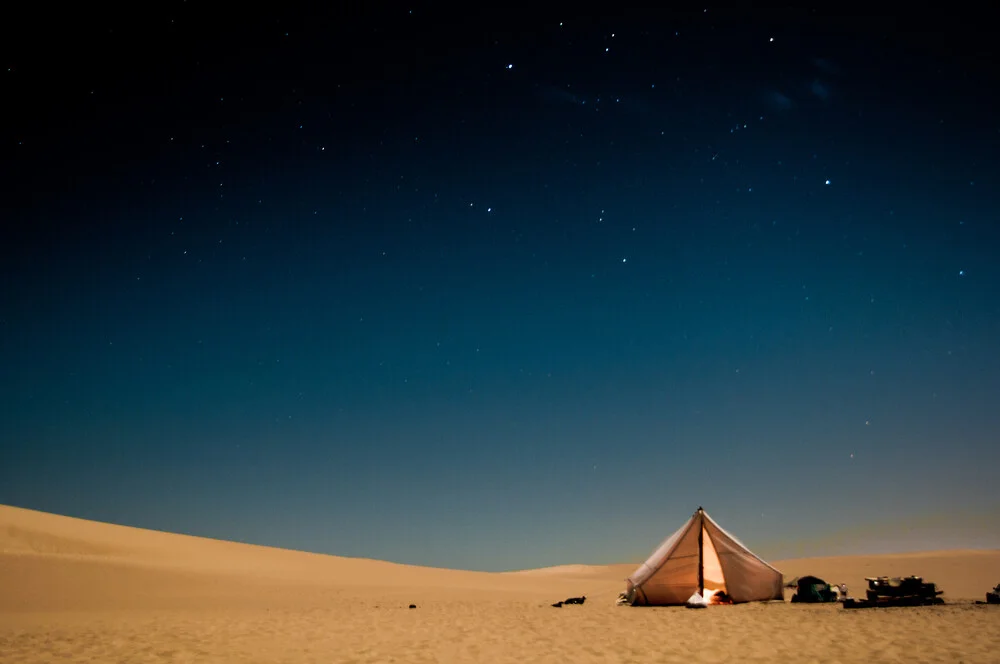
{"type": "Point", "coordinates": [715, 581]}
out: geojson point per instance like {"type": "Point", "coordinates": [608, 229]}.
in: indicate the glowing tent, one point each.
{"type": "Point", "coordinates": [702, 558]}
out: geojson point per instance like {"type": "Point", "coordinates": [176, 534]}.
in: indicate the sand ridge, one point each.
{"type": "Point", "coordinates": [74, 590]}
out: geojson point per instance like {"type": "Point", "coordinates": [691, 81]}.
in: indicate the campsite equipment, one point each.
{"type": "Point", "coordinates": [701, 557]}
{"type": "Point", "coordinates": [897, 591]}
{"type": "Point", "coordinates": [812, 590]}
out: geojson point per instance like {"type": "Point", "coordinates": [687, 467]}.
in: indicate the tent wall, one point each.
{"type": "Point", "coordinates": [748, 578]}
{"type": "Point", "coordinates": [660, 556]}
{"type": "Point", "coordinates": [669, 581]}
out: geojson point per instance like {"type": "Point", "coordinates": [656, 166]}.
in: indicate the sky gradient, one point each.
{"type": "Point", "coordinates": [497, 291]}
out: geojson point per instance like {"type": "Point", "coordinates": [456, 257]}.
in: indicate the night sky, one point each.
{"type": "Point", "coordinates": [502, 288]}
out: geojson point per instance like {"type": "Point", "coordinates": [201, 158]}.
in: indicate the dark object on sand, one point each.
{"type": "Point", "coordinates": [413, 606]}
{"type": "Point", "coordinates": [813, 590]}
{"type": "Point", "coordinates": [994, 597]}
{"type": "Point", "coordinates": [571, 600]}
{"type": "Point", "coordinates": [897, 591]}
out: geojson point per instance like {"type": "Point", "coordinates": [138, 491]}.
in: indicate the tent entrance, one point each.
{"type": "Point", "coordinates": [715, 580]}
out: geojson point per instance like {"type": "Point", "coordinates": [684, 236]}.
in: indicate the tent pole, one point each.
{"type": "Point", "coordinates": [701, 554]}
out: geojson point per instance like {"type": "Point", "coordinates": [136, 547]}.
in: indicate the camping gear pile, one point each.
{"type": "Point", "coordinates": [814, 590]}
{"type": "Point", "coordinates": [897, 591]}
{"type": "Point", "coordinates": [702, 564]}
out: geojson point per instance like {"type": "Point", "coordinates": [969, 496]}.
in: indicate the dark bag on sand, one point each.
{"type": "Point", "coordinates": [813, 590]}
{"type": "Point", "coordinates": [571, 600]}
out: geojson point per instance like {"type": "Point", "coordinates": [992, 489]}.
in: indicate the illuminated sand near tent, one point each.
{"type": "Point", "coordinates": [73, 590]}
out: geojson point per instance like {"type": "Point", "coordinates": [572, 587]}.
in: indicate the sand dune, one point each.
{"type": "Point", "coordinates": [74, 590]}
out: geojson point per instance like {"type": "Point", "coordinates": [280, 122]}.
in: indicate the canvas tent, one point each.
{"type": "Point", "coordinates": [702, 557]}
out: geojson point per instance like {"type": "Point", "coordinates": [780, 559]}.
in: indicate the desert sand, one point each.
{"type": "Point", "coordinates": [81, 591]}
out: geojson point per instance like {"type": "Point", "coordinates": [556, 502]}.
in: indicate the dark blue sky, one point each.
{"type": "Point", "coordinates": [502, 290]}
